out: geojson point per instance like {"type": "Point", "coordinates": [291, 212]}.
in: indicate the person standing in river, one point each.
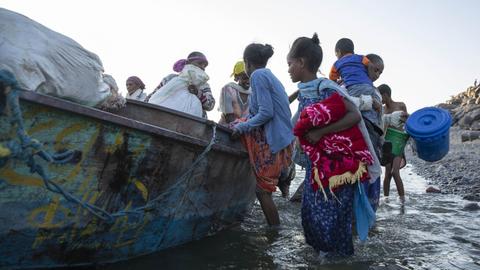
{"type": "Point", "coordinates": [327, 215]}
{"type": "Point", "coordinates": [392, 169]}
{"type": "Point", "coordinates": [267, 132]}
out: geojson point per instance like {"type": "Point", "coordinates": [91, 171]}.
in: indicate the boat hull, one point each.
{"type": "Point", "coordinates": [122, 165]}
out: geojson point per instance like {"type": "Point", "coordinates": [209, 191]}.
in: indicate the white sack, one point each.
{"type": "Point", "coordinates": [50, 63]}
{"type": "Point", "coordinates": [175, 94]}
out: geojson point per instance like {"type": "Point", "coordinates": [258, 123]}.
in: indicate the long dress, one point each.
{"type": "Point", "coordinates": [327, 223]}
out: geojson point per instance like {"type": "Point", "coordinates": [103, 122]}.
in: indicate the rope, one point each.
{"type": "Point", "coordinates": [110, 217]}
{"type": "Point", "coordinates": [54, 187]}
{"type": "Point", "coordinates": [178, 181]}
{"type": "Point", "coordinates": [28, 148]}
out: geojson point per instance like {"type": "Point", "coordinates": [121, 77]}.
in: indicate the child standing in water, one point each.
{"type": "Point", "coordinates": [267, 132]}
{"type": "Point", "coordinates": [326, 218]}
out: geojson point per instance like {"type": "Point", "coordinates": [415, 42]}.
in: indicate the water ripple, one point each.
{"type": "Point", "coordinates": [428, 231]}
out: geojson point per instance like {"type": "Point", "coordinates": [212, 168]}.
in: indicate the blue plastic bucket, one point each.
{"type": "Point", "coordinates": [429, 127]}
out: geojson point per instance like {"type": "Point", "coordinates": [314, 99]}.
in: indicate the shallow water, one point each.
{"type": "Point", "coordinates": [429, 231]}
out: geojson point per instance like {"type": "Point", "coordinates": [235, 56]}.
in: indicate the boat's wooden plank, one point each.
{"type": "Point", "coordinates": [189, 130]}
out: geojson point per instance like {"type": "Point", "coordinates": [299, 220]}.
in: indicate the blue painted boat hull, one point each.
{"type": "Point", "coordinates": [123, 164]}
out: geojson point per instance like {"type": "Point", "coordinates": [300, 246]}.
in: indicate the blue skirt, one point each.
{"type": "Point", "coordinates": [327, 225]}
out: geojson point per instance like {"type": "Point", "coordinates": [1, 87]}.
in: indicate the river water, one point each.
{"type": "Point", "coordinates": [429, 231]}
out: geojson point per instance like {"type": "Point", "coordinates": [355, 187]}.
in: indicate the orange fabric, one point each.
{"type": "Point", "coordinates": [334, 74]}
{"type": "Point", "coordinates": [365, 61]}
{"type": "Point", "coordinates": [266, 165]}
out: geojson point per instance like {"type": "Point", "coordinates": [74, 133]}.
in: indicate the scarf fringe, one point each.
{"type": "Point", "coordinates": [347, 177]}
{"type": "Point", "coordinates": [338, 180]}
{"type": "Point", "coordinates": [319, 183]}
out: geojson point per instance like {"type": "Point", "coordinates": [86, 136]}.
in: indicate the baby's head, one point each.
{"type": "Point", "coordinates": [378, 66]}
{"type": "Point", "coordinates": [343, 47]}
{"type": "Point", "coordinates": [304, 58]}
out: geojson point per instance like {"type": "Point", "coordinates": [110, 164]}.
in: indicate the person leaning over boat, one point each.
{"type": "Point", "coordinates": [135, 88]}
{"type": "Point", "coordinates": [234, 105]}
{"type": "Point", "coordinates": [204, 93]}
{"type": "Point", "coordinates": [234, 96]}
{"type": "Point", "coordinates": [267, 131]}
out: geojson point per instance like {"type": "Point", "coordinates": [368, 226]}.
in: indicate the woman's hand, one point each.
{"type": "Point", "coordinates": [293, 96]}
{"type": "Point", "coordinates": [403, 117]}
{"type": "Point", "coordinates": [314, 135]}
{"type": "Point", "coordinates": [377, 106]}
{"type": "Point", "coordinates": [193, 89]}
{"type": "Point", "coordinates": [235, 134]}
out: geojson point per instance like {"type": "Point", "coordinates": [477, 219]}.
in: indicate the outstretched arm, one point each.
{"type": "Point", "coordinates": [334, 76]}
{"type": "Point", "coordinates": [293, 96]}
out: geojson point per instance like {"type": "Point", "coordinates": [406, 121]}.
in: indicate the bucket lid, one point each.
{"type": "Point", "coordinates": [428, 122]}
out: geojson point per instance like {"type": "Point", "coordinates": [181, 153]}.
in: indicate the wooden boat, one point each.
{"type": "Point", "coordinates": [141, 180]}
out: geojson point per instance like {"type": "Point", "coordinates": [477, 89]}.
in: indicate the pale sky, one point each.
{"type": "Point", "coordinates": [430, 47]}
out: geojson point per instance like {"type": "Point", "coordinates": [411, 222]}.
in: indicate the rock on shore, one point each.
{"type": "Point", "coordinates": [465, 108]}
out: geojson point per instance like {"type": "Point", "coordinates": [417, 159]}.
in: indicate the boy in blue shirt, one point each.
{"type": "Point", "coordinates": [356, 72]}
